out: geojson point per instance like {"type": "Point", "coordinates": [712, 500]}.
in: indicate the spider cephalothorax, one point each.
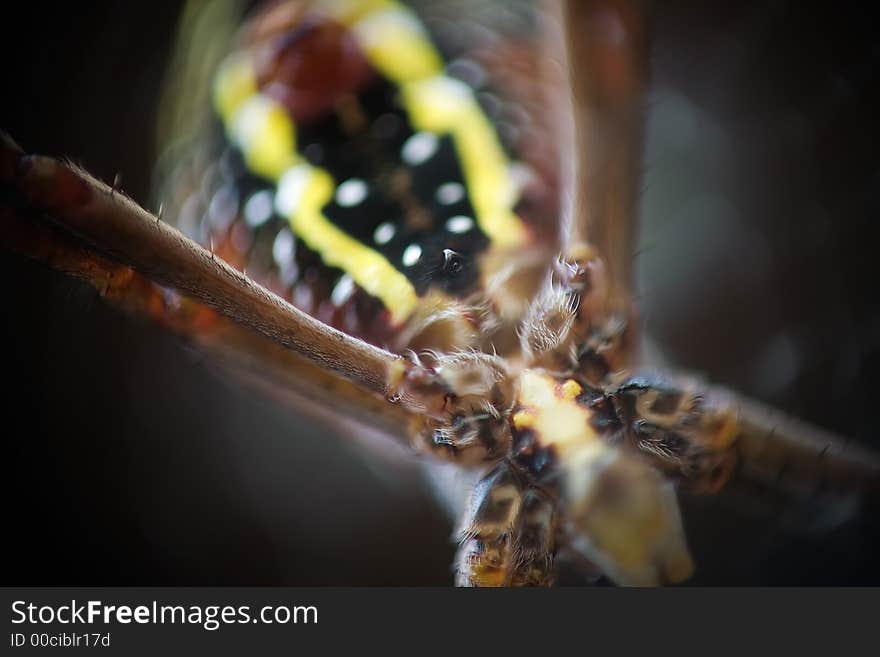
{"type": "Point", "coordinates": [566, 438]}
{"type": "Point", "coordinates": [403, 244]}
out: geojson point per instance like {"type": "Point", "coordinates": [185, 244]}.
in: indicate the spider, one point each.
{"type": "Point", "coordinates": [571, 353]}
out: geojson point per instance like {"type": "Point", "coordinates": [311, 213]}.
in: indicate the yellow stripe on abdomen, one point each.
{"type": "Point", "coordinates": [444, 105]}
{"type": "Point", "coordinates": [309, 189]}
{"type": "Point", "coordinates": [264, 132]}
{"type": "Point", "coordinates": [399, 47]}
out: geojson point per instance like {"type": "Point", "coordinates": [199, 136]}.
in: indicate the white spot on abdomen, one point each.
{"type": "Point", "coordinates": [450, 193]}
{"type": "Point", "coordinates": [352, 192]}
{"type": "Point", "coordinates": [384, 233]}
{"type": "Point", "coordinates": [411, 255]}
{"type": "Point", "coordinates": [459, 224]}
{"type": "Point", "coordinates": [419, 148]}
{"type": "Point", "coordinates": [282, 248]}
{"type": "Point", "coordinates": [258, 208]}
{"type": "Point", "coordinates": [342, 291]}
{"type": "Point", "coordinates": [290, 189]}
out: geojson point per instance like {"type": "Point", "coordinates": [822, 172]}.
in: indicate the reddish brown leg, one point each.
{"type": "Point", "coordinates": [96, 233]}
{"type": "Point", "coordinates": [106, 223]}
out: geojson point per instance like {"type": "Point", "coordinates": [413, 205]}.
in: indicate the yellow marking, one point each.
{"type": "Point", "coordinates": [396, 374]}
{"type": "Point", "coordinates": [266, 135]}
{"type": "Point", "coordinates": [550, 410]}
{"type": "Point", "coordinates": [570, 390]}
{"type": "Point", "coordinates": [348, 12]}
{"type": "Point", "coordinates": [368, 268]}
{"type": "Point", "coordinates": [234, 84]}
{"type": "Point", "coordinates": [524, 419]}
{"type": "Point", "coordinates": [484, 575]}
{"type": "Point", "coordinates": [443, 105]}
{"type": "Point", "coordinates": [397, 44]}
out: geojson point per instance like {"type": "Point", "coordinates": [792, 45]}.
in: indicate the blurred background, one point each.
{"type": "Point", "coordinates": [132, 460]}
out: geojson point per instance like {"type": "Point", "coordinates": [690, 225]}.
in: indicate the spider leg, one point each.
{"type": "Point", "coordinates": [282, 373]}
{"type": "Point", "coordinates": [790, 455]}
{"type": "Point", "coordinates": [766, 445]}
{"type": "Point", "coordinates": [711, 440]}
{"type": "Point", "coordinates": [584, 317]}
{"type": "Point", "coordinates": [104, 222]}
{"type": "Point", "coordinates": [100, 235]}
{"type": "Point", "coordinates": [507, 533]}
{"type": "Point", "coordinates": [568, 327]}
{"type": "Point", "coordinates": [607, 50]}
{"type": "Point", "coordinates": [623, 516]}
{"type": "Point", "coordinates": [117, 227]}
{"type": "Point", "coordinates": [535, 545]}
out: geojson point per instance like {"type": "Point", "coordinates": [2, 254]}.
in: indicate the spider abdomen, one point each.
{"type": "Point", "coordinates": [360, 176]}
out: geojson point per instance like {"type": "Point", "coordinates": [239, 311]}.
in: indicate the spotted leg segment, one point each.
{"type": "Point", "coordinates": [507, 535]}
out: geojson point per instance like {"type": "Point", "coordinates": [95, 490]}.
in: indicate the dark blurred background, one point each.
{"type": "Point", "coordinates": [131, 460]}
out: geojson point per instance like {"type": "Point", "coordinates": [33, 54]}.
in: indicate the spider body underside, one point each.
{"type": "Point", "coordinates": [517, 364]}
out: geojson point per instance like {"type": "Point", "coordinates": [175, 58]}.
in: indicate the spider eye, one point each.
{"type": "Point", "coordinates": [453, 262]}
